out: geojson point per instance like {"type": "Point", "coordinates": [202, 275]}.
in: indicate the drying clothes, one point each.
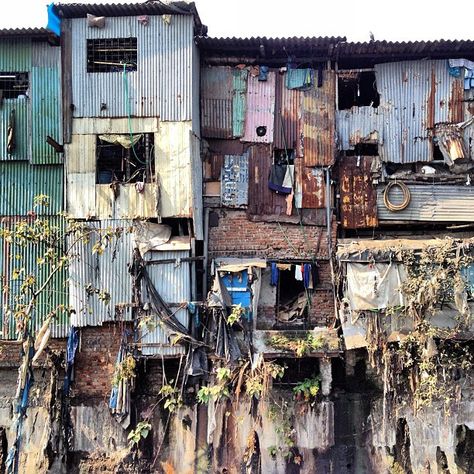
{"type": "Point", "coordinates": [289, 203]}
{"type": "Point", "coordinates": [283, 266]}
{"type": "Point", "coordinates": [468, 79]}
{"type": "Point", "coordinates": [455, 71]}
{"type": "Point", "coordinates": [314, 275]}
{"type": "Point", "coordinates": [11, 145]}
{"type": "Point", "coordinates": [299, 78]}
{"type": "Point", "coordinates": [274, 274]}
{"type": "Point", "coordinates": [71, 348]}
{"type": "Point", "coordinates": [278, 176]}
{"type": "Point", "coordinates": [289, 177]}
{"type": "Point", "coordinates": [298, 273]}
{"type": "Point", "coordinates": [307, 275]}
{"type": "Point", "coordinates": [263, 73]}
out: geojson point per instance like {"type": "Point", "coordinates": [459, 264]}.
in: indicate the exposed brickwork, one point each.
{"type": "Point", "coordinates": [95, 361]}
{"type": "Point", "coordinates": [236, 236]}
{"type": "Point", "coordinates": [10, 352]}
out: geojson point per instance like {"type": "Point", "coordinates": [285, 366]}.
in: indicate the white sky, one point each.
{"type": "Point", "coordinates": [398, 20]}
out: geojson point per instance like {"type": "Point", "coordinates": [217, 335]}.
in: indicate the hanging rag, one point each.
{"type": "Point", "coordinates": [263, 73]}
{"type": "Point", "coordinates": [278, 176]}
{"type": "Point", "coordinates": [71, 348]}
{"type": "Point", "coordinates": [307, 275]}
{"type": "Point", "coordinates": [298, 273]}
{"type": "Point", "coordinates": [314, 274]}
{"type": "Point", "coordinates": [289, 203]}
{"type": "Point", "coordinates": [11, 145]}
{"type": "Point", "coordinates": [274, 274]}
{"type": "Point", "coordinates": [299, 78]}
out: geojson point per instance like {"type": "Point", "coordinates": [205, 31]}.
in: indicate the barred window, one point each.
{"type": "Point", "coordinates": [13, 85]}
{"type": "Point", "coordinates": [111, 54]}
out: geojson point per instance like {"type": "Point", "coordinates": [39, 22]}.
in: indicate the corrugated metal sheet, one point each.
{"type": "Point", "coordinates": [216, 102]}
{"type": "Point", "coordinates": [162, 84]}
{"type": "Point", "coordinates": [313, 185]}
{"type": "Point", "coordinates": [13, 257]}
{"type": "Point", "coordinates": [173, 283]}
{"type": "Point", "coordinates": [430, 203]}
{"type": "Point", "coordinates": [318, 128]}
{"type": "Point", "coordinates": [46, 112]}
{"type": "Point", "coordinates": [261, 200]}
{"type": "Point", "coordinates": [359, 125]}
{"type": "Point", "coordinates": [260, 108]}
{"type": "Point", "coordinates": [21, 182]}
{"type": "Point", "coordinates": [287, 114]}
{"type": "Point", "coordinates": [22, 129]}
{"type": "Point", "coordinates": [414, 96]}
{"type": "Point", "coordinates": [239, 101]}
{"type": "Point", "coordinates": [15, 55]}
{"type": "Point", "coordinates": [173, 166]}
{"type": "Point", "coordinates": [196, 163]}
{"type": "Point", "coordinates": [106, 272]}
{"type": "Point", "coordinates": [469, 131]}
{"type": "Point", "coordinates": [235, 181]}
{"type": "Point", "coordinates": [358, 194]}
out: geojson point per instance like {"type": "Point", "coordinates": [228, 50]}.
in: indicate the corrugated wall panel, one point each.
{"type": "Point", "coordinates": [262, 201]}
{"type": "Point", "coordinates": [260, 109]}
{"type": "Point", "coordinates": [21, 182]}
{"type": "Point", "coordinates": [430, 203]}
{"type": "Point", "coordinates": [318, 128]}
{"type": "Point", "coordinates": [22, 129]}
{"type": "Point", "coordinates": [469, 113]}
{"type": "Point", "coordinates": [358, 194]}
{"type": "Point", "coordinates": [287, 112]}
{"type": "Point", "coordinates": [15, 55]}
{"type": "Point", "coordinates": [108, 272]}
{"type": "Point", "coordinates": [13, 257]}
{"type": "Point", "coordinates": [239, 101]}
{"type": "Point", "coordinates": [196, 163]}
{"type": "Point", "coordinates": [359, 125]}
{"type": "Point", "coordinates": [313, 187]}
{"type": "Point", "coordinates": [173, 166]}
{"type": "Point", "coordinates": [173, 283]}
{"type": "Point", "coordinates": [414, 96]}
{"type": "Point", "coordinates": [46, 114]}
{"type": "Point", "coordinates": [162, 84]}
{"type": "Point", "coordinates": [216, 102]}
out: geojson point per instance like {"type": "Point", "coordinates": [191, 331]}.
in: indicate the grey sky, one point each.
{"type": "Point", "coordinates": [395, 20]}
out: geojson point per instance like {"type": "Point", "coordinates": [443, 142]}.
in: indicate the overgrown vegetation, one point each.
{"type": "Point", "coordinates": [300, 346]}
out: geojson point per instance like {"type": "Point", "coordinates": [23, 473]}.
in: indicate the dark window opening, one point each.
{"type": "Point", "coordinates": [292, 300]}
{"type": "Point", "coordinates": [364, 149]}
{"type": "Point", "coordinates": [13, 85]}
{"type": "Point", "coordinates": [284, 157]}
{"type": "Point", "coordinates": [437, 155]}
{"type": "Point", "coordinates": [297, 370]}
{"type": "Point", "coordinates": [357, 89]}
{"type": "Point", "coordinates": [111, 54]}
{"type": "Point", "coordinates": [179, 226]}
{"type": "Point", "coordinates": [118, 161]}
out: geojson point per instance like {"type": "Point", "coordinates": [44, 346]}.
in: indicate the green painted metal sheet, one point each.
{"type": "Point", "coordinates": [22, 139]}
{"type": "Point", "coordinates": [21, 182]}
{"type": "Point", "coordinates": [239, 84]}
{"type": "Point", "coordinates": [14, 257]}
{"type": "Point", "coordinates": [46, 114]}
{"type": "Point", "coordinates": [15, 55]}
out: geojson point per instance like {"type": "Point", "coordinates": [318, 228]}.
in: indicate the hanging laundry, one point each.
{"type": "Point", "coordinates": [298, 273]}
{"type": "Point", "coordinates": [274, 274]}
{"type": "Point", "coordinates": [278, 176]}
{"type": "Point", "coordinates": [314, 274]}
{"type": "Point", "coordinates": [11, 145]}
{"type": "Point", "coordinates": [307, 275]}
{"type": "Point", "coordinates": [283, 266]}
{"type": "Point", "coordinates": [263, 73]}
{"type": "Point", "coordinates": [289, 203]}
{"type": "Point", "coordinates": [299, 78]}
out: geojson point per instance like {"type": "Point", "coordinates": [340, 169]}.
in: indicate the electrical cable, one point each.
{"type": "Point", "coordinates": [406, 197]}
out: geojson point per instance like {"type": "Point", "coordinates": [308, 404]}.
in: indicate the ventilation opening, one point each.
{"type": "Point", "coordinates": [357, 89]}
{"type": "Point", "coordinates": [111, 54]}
{"type": "Point", "coordinates": [125, 158]}
{"type": "Point", "coordinates": [364, 149]}
{"type": "Point", "coordinates": [13, 85]}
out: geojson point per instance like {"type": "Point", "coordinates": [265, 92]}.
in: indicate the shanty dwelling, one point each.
{"type": "Point", "coordinates": [404, 255]}
{"type": "Point", "coordinates": [31, 164]}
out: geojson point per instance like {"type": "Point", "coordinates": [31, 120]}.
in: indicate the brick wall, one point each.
{"type": "Point", "coordinates": [10, 352]}
{"type": "Point", "coordinates": [236, 236]}
{"type": "Point", "coordinates": [95, 361]}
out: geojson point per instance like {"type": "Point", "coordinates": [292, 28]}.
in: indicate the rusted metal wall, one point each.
{"type": "Point", "coordinates": [173, 283]}
{"type": "Point", "coordinates": [287, 112]}
{"type": "Point", "coordinates": [260, 108]}
{"type": "Point", "coordinates": [216, 102]}
{"type": "Point", "coordinates": [108, 272]}
{"type": "Point", "coordinates": [161, 86]}
{"type": "Point", "coordinates": [430, 203]}
{"type": "Point", "coordinates": [235, 181]}
{"type": "Point", "coordinates": [358, 194]}
{"type": "Point", "coordinates": [359, 125]}
{"type": "Point", "coordinates": [313, 186]}
{"type": "Point", "coordinates": [262, 201]}
{"type": "Point", "coordinates": [239, 101]}
{"type": "Point", "coordinates": [318, 128]}
{"type": "Point", "coordinates": [414, 96]}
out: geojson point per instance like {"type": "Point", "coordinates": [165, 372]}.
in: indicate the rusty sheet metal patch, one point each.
{"type": "Point", "coordinates": [235, 181]}
{"type": "Point", "coordinates": [318, 127]}
{"type": "Point", "coordinates": [313, 186]}
{"type": "Point", "coordinates": [358, 195]}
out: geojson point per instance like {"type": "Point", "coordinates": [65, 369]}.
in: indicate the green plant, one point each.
{"type": "Point", "coordinates": [301, 346]}
{"type": "Point", "coordinates": [172, 397]}
{"type": "Point", "coordinates": [125, 370]}
{"type": "Point", "coordinates": [236, 314]}
{"type": "Point", "coordinates": [307, 389]}
{"type": "Point", "coordinates": [140, 432]}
